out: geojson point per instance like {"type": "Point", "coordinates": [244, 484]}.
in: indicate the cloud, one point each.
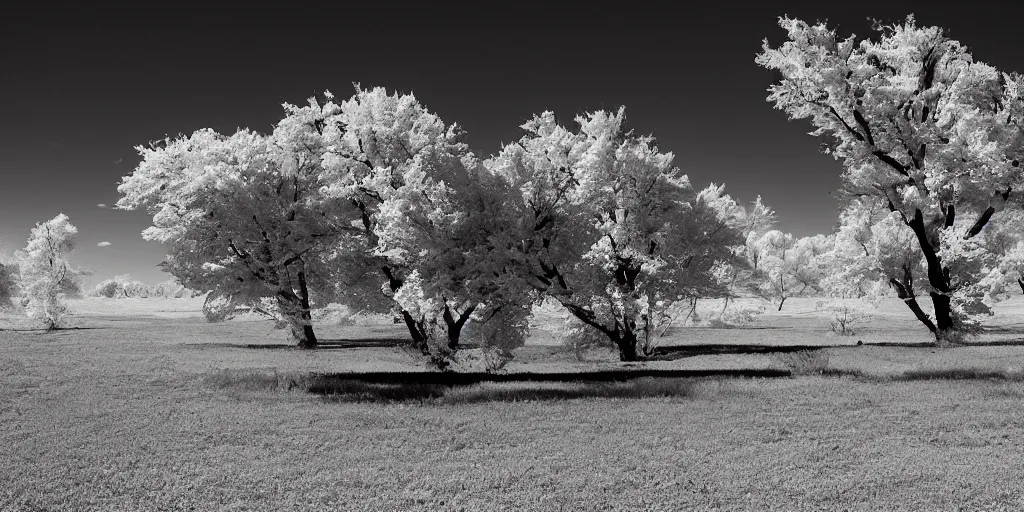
{"type": "Point", "coordinates": [103, 244]}
{"type": "Point", "coordinates": [102, 205]}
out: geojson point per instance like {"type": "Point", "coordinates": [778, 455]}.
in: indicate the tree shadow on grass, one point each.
{"type": "Point", "coordinates": [671, 353]}
{"type": "Point", "coordinates": [465, 387]}
{"type": "Point", "coordinates": [928, 374]}
{"type": "Point", "coordinates": [323, 345]}
{"type": "Point", "coordinates": [430, 389]}
{"type": "Point", "coordinates": [960, 374]}
{"type": "Point", "coordinates": [993, 343]}
{"type": "Point", "coordinates": [43, 330]}
{"type": "Point", "coordinates": [376, 392]}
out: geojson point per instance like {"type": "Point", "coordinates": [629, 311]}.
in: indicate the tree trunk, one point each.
{"type": "Point", "coordinates": [419, 337]}
{"type": "Point", "coordinates": [416, 332]}
{"type": "Point", "coordinates": [625, 338]}
{"type": "Point", "coordinates": [905, 291]}
{"type": "Point", "coordinates": [455, 325]}
{"type": "Point", "coordinates": [299, 319]}
{"type": "Point", "coordinates": [626, 341]}
{"type": "Point", "coordinates": [308, 339]}
{"type": "Point", "coordinates": [781, 302]}
{"type": "Point", "coordinates": [1021, 283]}
{"type": "Point", "coordinates": [938, 279]}
{"type": "Point", "coordinates": [305, 336]}
{"type": "Point", "coordinates": [944, 327]}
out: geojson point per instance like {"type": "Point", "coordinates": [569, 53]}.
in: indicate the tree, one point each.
{"type": "Point", "coordinates": [442, 233]}
{"type": "Point", "coordinates": [8, 284]}
{"type": "Point", "coordinates": [786, 266]}
{"type": "Point", "coordinates": [123, 286]}
{"type": "Point", "coordinates": [425, 210]}
{"type": "Point", "coordinates": [46, 276]}
{"type": "Point", "coordinates": [745, 275]}
{"type": "Point", "coordinates": [245, 216]}
{"type": "Point", "coordinates": [1005, 240]}
{"type": "Point", "coordinates": [923, 129]}
{"type": "Point", "coordinates": [120, 286]}
{"type": "Point", "coordinates": [172, 289]}
{"type": "Point", "coordinates": [609, 228]}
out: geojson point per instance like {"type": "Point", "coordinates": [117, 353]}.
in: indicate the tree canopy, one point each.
{"type": "Point", "coordinates": [925, 131]}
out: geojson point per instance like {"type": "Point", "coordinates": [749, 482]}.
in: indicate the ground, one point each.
{"type": "Point", "coordinates": [145, 406]}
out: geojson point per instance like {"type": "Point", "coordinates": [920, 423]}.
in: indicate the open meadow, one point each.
{"type": "Point", "coordinates": [143, 405]}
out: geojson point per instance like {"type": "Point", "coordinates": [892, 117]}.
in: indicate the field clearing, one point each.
{"type": "Point", "coordinates": [138, 410]}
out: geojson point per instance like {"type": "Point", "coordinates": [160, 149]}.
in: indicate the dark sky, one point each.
{"type": "Point", "coordinates": [81, 86]}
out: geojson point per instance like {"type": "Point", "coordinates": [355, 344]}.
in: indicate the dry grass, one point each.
{"type": "Point", "coordinates": [151, 413]}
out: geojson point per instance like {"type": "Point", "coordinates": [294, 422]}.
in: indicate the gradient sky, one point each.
{"type": "Point", "coordinates": [81, 86]}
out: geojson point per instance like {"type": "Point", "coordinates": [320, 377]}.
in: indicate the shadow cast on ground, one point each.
{"type": "Point", "coordinates": [323, 345]}
{"type": "Point", "coordinates": [425, 390]}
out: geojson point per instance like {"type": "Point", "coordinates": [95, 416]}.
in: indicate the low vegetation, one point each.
{"type": "Point", "coordinates": [154, 408]}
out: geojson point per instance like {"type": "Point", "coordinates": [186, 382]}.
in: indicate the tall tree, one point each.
{"type": "Point", "coordinates": [922, 128]}
{"type": "Point", "coordinates": [46, 276]}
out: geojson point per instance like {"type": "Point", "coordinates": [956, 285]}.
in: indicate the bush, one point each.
{"type": "Point", "coordinates": [741, 315]}
{"type": "Point", "coordinates": [843, 316]}
{"type": "Point", "coordinates": [804, 362]}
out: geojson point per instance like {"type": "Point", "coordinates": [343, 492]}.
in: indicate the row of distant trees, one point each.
{"type": "Point", "coordinates": [376, 203]}
{"type": "Point", "coordinates": [123, 286]}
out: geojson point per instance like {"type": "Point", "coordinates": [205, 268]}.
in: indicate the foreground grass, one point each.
{"type": "Point", "coordinates": [172, 415]}
{"type": "Point", "coordinates": [805, 443]}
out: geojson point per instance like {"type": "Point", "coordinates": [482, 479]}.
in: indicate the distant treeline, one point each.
{"type": "Point", "coordinates": [123, 286]}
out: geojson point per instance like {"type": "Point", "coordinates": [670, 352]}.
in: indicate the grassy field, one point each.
{"type": "Point", "coordinates": [145, 406]}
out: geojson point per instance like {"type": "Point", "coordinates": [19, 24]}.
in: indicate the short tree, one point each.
{"type": "Point", "coordinates": [46, 276]}
{"type": "Point", "coordinates": [745, 274]}
{"type": "Point", "coordinates": [245, 216]}
{"type": "Point", "coordinates": [172, 289]}
{"type": "Point", "coordinates": [787, 265]}
{"type": "Point", "coordinates": [609, 228]}
{"type": "Point", "coordinates": [923, 129]}
{"type": "Point", "coordinates": [120, 286]}
{"type": "Point", "coordinates": [443, 233]}
{"type": "Point", "coordinates": [426, 209]}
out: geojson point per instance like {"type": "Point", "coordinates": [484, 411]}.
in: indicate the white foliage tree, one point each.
{"type": "Point", "coordinates": [787, 266]}
{"type": "Point", "coordinates": [123, 286]}
{"type": "Point", "coordinates": [746, 275]}
{"type": "Point", "coordinates": [426, 209]}
{"type": "Point", "coordinates": [46, 276]}
{"type": "Point", "coordinates": [924, 130]}
{"type": "Point", "coordinates": [609, 228]}
{"type": "Point", "coordinates": [246, 217]}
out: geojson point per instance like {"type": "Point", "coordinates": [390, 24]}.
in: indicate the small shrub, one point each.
{"type": "Point", "coordinates": [741, 315]}
{"type": "Point", "coordinates": [716, 323]}
{"type": "Point", "coordinates": [844, 316]}
{"type": "Point", "coordinates": [804, 362]}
